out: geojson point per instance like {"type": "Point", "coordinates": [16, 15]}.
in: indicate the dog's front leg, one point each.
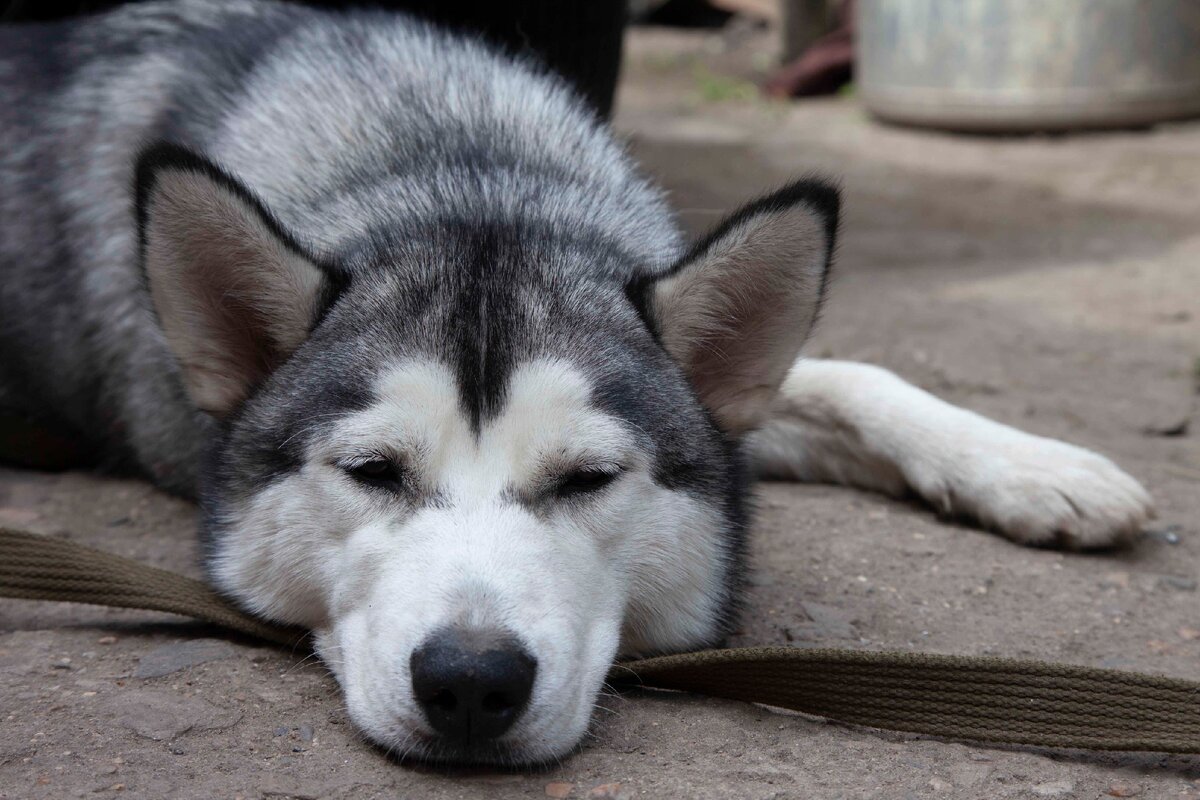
{"type": "Point", "coordinates": [860, 425]}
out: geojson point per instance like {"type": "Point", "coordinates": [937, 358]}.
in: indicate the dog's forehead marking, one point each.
{"type": "Point", "coordinates": [547, 415]}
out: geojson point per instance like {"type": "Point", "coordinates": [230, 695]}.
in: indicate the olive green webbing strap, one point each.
{"type": "Point", "coordinates": [34, 567]}
{"type": "Point", "coordinates": [981, 699]}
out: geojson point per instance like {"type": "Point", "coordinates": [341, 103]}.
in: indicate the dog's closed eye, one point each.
{"type": "Point", "coordinates": [377, 473]}
{"type": "Point", "coordinates": [585, 481]}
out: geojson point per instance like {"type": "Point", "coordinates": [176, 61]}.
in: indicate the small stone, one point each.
{"type": "Point", "coordinates": [305, 732]}
{"type": "Point", "coordinates": [1053, 788]}
{"type": "Point", "coordinates": [1175, 427]}
{"type": "Point", "coordinates": [1167, 535]}
{"type": "Point", "coordinates": [1190, 634]}
{"type": "Point", "coordinates": [559, 789]}
{"type": "Point", "coordinates": [1123, 790]}
{"type": "Point", "coordinates": [609, 791]}
{"type": "Point", "coordinates": [824, 622]}
{"type": "Point", "coordinates": [1178, 583]}
{"type": "Point", "coordinates": [62, 663]}
{"type": "Point", "coordinates": [281, 730]}
{"type": "Point", "coordinates": [1115, 580]}
{"type": "Point", "coordinates": [174, 657]}
{"type": "Point", "coordinates": [163, 715]}
{"type": "Point", "coordinates": [107, 640]}
{"type": "Point", "coordinates": [939, 785]}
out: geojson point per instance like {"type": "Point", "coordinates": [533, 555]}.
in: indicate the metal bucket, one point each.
{"type": "Point", "coordinates": [1029, 65]}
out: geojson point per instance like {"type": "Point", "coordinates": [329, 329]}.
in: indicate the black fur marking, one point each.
{"type": "Point", "coordinates": [637, 292]}
{"type": "Point", "coordinates": [480, 322]}
{"type": "Point", "coordinates": [818, 194]}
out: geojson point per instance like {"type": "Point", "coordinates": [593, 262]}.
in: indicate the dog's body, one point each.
{"type": "Point", "coordinates": [461, 393]}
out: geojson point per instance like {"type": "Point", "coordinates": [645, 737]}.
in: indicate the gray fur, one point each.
{"type": "Point", "coordinates": [397, 126]}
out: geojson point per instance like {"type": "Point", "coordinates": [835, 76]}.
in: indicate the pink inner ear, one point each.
{"type": "Point", "coordinates": [737, 316]}
{"type": "Point", "coordinates": [234, 333]}
{"type": "Point", "coordinates": [219, 337]}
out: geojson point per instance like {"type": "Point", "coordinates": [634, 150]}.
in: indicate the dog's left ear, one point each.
{"type": "Point", "coordinates": [736, 310]}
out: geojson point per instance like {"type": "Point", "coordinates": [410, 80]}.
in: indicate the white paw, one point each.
{"type": "Point", "coordinates": [1034, 490]}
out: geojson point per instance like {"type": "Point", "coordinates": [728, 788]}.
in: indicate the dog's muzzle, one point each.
{"type": "Point", "coordinates": [472, 685]}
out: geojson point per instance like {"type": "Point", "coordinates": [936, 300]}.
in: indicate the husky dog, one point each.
{"type": "Point", "coordinates": [449, 385]}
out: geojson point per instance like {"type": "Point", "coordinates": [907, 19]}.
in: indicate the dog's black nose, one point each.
{"type": "Point", "coordinates": [472, 685]}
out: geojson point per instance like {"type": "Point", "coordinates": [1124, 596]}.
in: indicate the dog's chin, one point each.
{"type": "Point", "coordinates": [430, 751]}
{"type": "Point", "coordinates": [421, 747]}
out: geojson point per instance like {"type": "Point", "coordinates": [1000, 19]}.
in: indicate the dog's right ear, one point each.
{"type": "Point", "coordinates": [235, 295]}
{"type": "Point", "coordinates": [735, 311]}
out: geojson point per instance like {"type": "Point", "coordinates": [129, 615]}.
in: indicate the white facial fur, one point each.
{"type": "Point", "coordinates": [480, 540]}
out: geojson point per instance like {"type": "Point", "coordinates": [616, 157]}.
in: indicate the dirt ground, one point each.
{"type": "Point", "coordinates": [1052, 283]}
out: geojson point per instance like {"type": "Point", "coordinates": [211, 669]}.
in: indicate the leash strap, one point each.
{"type": "Point", "coordinates": [34, 567]}
{"type": "Point", "coordinates": [992, 700]}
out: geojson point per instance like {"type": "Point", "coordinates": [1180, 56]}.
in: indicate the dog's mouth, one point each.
{"type": "Point", "coordinates": [531, 746]}
{"type": "Point", "coordinates": [430, 750]}
{"type": "Point", "coordinates": [471, 697]}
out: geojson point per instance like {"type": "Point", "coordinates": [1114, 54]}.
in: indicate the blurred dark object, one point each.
{"type": "Point", "coordinates": [32, 443]}
{"type": "Point", "coordinates": [682, 14]}
{"type": "Point", "coordinates": [1013, 66]}
{"type": "Point", "coordinates": [43, 10]}
{"type": "Point", "coordinates": [804, 22]}
{"type": "Point", "coordinates": [580, 40]}
{"type": "Point", "coordinates": [825, 65]}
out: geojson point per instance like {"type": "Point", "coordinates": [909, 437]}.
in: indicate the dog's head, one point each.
{"type": "Point", "coordinates": [479, 460]}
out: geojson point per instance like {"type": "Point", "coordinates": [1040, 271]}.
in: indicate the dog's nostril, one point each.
{"type": "Point", "coordinates": [444, 700]}
{"type": "Point", "coordinates": [472, 685]}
